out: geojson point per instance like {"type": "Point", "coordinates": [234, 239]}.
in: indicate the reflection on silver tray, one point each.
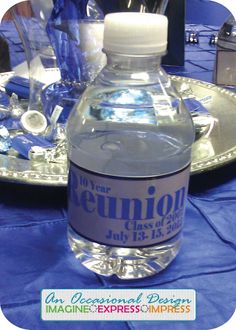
{"type": "Point", "coordinates": [210, 151]}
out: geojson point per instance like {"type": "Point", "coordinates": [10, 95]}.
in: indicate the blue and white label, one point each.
{"type": "Point", "coordinates": [128, 212]}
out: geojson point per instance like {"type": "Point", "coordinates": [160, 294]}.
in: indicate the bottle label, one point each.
{"type": "Point", "coordinates": [126, 212]}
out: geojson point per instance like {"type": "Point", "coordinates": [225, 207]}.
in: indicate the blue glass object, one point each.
{"type": "Point", "coordinates": [78, 63]}
{"type": "Point", "coordinates": [41, 60]}
{"type": "Point", "coordinates": [63, 31]}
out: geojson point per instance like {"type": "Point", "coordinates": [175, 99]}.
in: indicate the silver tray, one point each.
{"type": "Point", "coordinates": [210, 151]}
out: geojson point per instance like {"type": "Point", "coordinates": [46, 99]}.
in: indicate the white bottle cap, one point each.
{"type": "Point", "coordinates": [135, 33]}
{"type": "Point", "coordinates": [34, 122]}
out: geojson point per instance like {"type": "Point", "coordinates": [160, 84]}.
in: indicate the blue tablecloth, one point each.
{"type": "Point", "coordinates": [34, 252]}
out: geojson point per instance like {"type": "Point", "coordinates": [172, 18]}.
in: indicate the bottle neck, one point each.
{"type": "Point", "coordinates": [132, 70]}
{"type": "Point", "coordinates": [133, 62]}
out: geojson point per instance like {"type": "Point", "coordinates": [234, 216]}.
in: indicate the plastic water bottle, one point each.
{"type": "Point", "coordinates": [130, 140]}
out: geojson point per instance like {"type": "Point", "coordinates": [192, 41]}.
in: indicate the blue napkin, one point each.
{"type": "Point", "coordinates": [18, 85]}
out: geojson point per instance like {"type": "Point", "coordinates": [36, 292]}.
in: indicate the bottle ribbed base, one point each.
{"type": "Point", "coordinates": [125, 263]}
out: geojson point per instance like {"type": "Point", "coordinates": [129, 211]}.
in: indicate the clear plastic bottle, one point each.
{"type": "Point", "coordinates": [130, 140]}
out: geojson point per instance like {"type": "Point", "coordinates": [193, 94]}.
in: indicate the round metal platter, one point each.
{"type": "Point", "coordinates": [212, 150]}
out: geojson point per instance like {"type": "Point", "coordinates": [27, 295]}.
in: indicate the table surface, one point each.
{"type": "Point", "coordinates": [34, 252]}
